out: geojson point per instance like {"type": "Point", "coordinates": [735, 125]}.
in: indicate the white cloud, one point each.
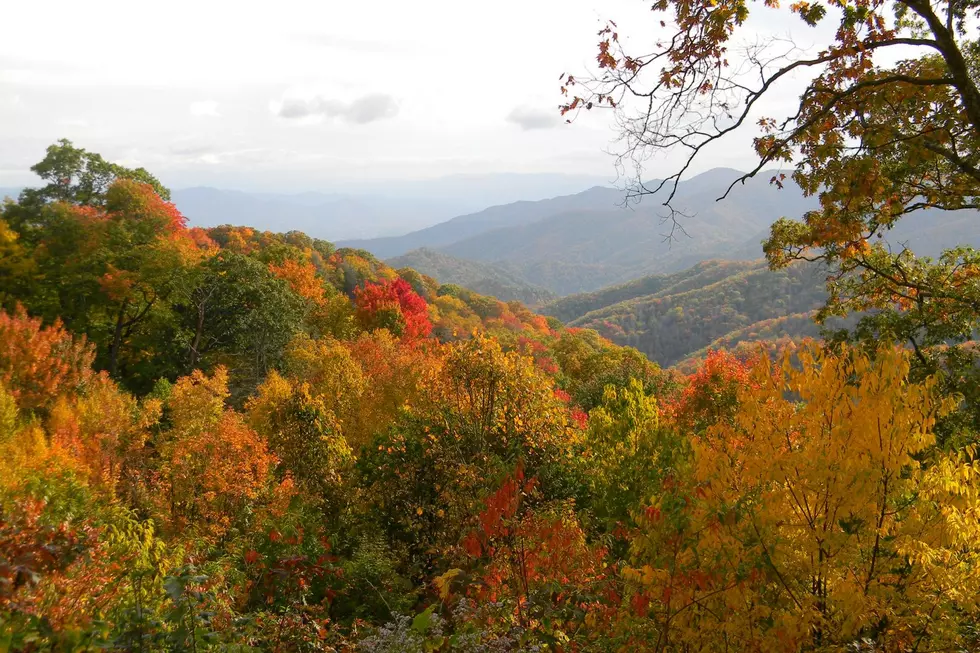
{"type": "Point", "coordinates": [529, 118]}
{"type": "Point", "coordinates": [362, 110]}
{"type": "Point", "coordinates": [205, 109]}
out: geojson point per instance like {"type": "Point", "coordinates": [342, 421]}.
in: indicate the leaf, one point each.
{"type": "Point", "coordinates": [444, 581]}
{"type": "Point", "coordinates": [423, 621]}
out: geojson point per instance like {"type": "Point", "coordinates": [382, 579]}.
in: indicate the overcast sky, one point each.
{"type": "Point", "coordinates": [291, 95]}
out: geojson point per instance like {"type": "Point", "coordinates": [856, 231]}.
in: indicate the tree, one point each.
{"type": "Point", "coordinates": [630, 453]}
{"type": "Point", "coordinates": [711, 394]}
{"type": "Point", "coordinates": [104, 430]}
{"type": "Point", "coordinates": [302, 430]}
{"type": "Point", "coordinates": [328, 311]}
{"type": "Point", "coordinates": [17, 268]}
{"type": "Point", "coordinates": [38, 364]}
{"type": "Point", "coordinates": [240, 315]}
{"type": "Point", "coordinates": [110, 270]}
{"type": "Point", "coordinates": [820, 518]}
{"type": "Point", "coordinates": [875, 140]}
{"type": "Point", "coordinates": [395, 376]}
{"type": "Point", "coordinates": [213, 465]}
{"type": "Point", "coordinates": [77, 176]}
{"type": "Point", "coordinates": [395, 306]}
{"type": "Point", "coordinates": [147, 258]}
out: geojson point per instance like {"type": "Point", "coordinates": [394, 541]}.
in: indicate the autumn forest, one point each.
{"type": "Point", "coordinates": [237, 440]}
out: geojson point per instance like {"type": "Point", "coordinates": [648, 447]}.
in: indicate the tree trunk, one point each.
{"type": "Point", "coordinates": [117, 336]}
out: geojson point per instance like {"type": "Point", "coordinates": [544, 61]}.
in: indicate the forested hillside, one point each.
{"type": "Point", "coordinates": [573, 307]}
{"type": "Point", "coordinates": [721, 303]}
{"type": "Point", "coordinates": [484, 278]}
{"type": "Point", "coordinates": [216, 439]}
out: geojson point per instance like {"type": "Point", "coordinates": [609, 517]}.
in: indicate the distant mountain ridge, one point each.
{"type": "Point", "coordinates": [320, 215]}
{"type": "Point", "coordinates": [369, 208]}
{"type": "Point", "coordinates": [495, 217]}
{"type": "Point", "coordinates": [587, 241]}
{"type": "Point", "coordinates": [590, 240]}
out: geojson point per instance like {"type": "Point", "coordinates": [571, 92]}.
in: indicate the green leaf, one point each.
{"type": "Point", "coordinates": [423, 620]}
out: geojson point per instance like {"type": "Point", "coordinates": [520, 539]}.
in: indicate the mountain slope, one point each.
{"type": "Point", "coordinates": [572, 307]}
{"type": "Point", "coordinates": [495, 217]}
{"type": "Point", "coordinates": [699, 309]}
{"type": "Point", "coordinates": [583, 242]}
{"type": "Point", "coordinates": [583, 250]}
{"type": "Point", "coordinates": [484, 278]}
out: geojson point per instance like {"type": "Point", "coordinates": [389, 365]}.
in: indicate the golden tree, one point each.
{"type": "Point", "coordinates": [823, 516]}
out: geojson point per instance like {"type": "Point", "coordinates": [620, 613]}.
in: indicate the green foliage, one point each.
{"type": "Point", "coordinates": [484, 278]}
{"type": "Point", "coordinates": [687, 312]}
{"type": "Point", "coordinates": [80, 177]}
{"type": "Point", "coordinates": [631, 453]}
{"type": "Point", "coordinates": [241, 316]}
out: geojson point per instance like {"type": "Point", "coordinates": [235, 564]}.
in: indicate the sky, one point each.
{"type": "Point", "coordinates": [292, 96]}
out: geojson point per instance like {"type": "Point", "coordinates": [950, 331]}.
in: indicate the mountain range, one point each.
{"type": "Point", "coordinates": [320, 215]}
{"type": "Point", "coordinates": [366, 209]}
{"type": "Point", "coordinates": [591, 240]}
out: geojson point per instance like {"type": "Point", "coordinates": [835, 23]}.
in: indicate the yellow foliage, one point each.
{"type": "Point", "coordinates": [822, 515]}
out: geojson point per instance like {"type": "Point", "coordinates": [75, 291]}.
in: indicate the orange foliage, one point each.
{"type": "Point", "coordinates": [302, 279]}
{"type": "Point", "coordinates": [136, 199]}
{"type": "Point", "coordinates": [102, 430]}
{"type": "Point", "coordinates": [201, 238]}
{"type": "Point", "coordinates": [395, 375]}
{"type": "Point", "coordinates": [37, 363]}
{"type": "Point", "coordinates": [214, 464]}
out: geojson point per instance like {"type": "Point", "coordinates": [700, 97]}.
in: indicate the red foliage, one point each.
{"type": "Point", "coordinates": [529, 346]}
{"type": "Point", "coordinates": [133, 198]}
{"type": "Point", "coordinates": [39, 363]}
{"type": "Point", "coordinates": [57, 572]}
{"type": "Point", "coordinates": [547, 365]}
{"type": "Point", "coordinates": [711, 393]}
{"type": "Point", "coordinates": [393, 305]}
{"type": "Point", "coordinates": [29, 550]}
{"type": "Point", "coordinates": [526, 551]}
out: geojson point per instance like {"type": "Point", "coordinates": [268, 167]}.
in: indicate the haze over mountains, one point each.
{"type": "Point", "coordinates": [590, 240]}
{"type": "Point", "coordinates": [484, 278]}
{"type": "Point", "coordinates": [366, 209]}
